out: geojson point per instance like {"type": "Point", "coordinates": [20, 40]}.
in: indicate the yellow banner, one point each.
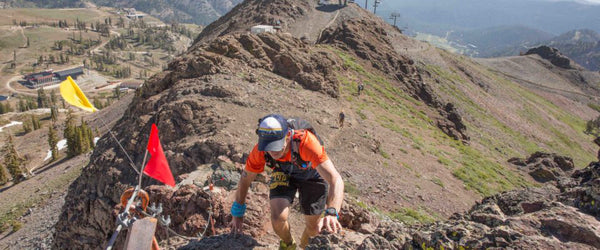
{"type": "Point", "coordinates": [74, 96]}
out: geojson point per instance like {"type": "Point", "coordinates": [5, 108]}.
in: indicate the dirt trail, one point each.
{"type": "Point", "coordinates": [322, 17]}
{"type": "Point", "coordinates": [24, 37]}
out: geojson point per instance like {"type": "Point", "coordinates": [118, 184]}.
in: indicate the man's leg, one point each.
{"type": "Point", "coordinates": [313, 196]}
{"type": "Point", "coordinates": [279, 219]}
{"type": "Point", "coordinates": [311, 229]}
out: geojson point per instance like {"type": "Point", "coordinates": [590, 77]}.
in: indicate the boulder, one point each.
{"type": "Point", "coordinates": [552, 55]}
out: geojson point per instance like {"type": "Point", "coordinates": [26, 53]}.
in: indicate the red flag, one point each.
{"type": "Point", "coordinates": [158, 167]}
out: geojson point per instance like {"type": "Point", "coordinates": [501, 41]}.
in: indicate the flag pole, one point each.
{"type": "Point", "coordinates": [142, 169]}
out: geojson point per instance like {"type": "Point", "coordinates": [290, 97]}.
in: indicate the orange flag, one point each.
{"type": "Point", "coordinates": [158, 167]}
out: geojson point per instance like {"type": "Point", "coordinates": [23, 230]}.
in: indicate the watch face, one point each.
{"type": "Point", "coordinates": [330, 211]}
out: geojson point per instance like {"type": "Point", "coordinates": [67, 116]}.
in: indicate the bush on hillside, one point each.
{"type": "Point", "coordinates": [3, 175]}
{"type": "Point", "coordinates": [593, 127]}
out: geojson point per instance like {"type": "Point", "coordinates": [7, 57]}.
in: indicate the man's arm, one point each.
{"type": "Point", "coordinates": [244, 185]}
{"type": "Point", "coordinates": [336, 185]}
{"type": "Point", "coordinates": [335, 195]}
{"type": "Point", "coordinates": [240, 197]}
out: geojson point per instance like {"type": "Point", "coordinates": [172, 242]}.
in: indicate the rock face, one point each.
{"type": "Point", "coordinates": [544, 167]}
{"type": "Point", "coordinates": [532, 218]}
{"type": "Point", "coordinates": [250, 13]}
{"type": "Point", "coordinates": [366, 39]}
{"type": "Point", "coordinates": [552, 55]}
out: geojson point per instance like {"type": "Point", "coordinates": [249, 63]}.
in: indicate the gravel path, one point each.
{"type": "Point", "coordinates": [38, 225]}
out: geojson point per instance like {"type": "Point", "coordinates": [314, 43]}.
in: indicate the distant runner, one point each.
{"type": "Point", "coordinates": [361, 87]}
{"type": "Point", "coordinates": [299, 164]}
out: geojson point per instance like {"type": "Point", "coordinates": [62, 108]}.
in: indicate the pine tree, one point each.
{"type": "Point", "coordinates": [13, 161]}
{"type": "Point", "coordinates": [27, 126]}
{"type": "Point", "coordinates": [54, 114]}
{"type": "Point", "coordinates": [22, 105]}
{"type": "Point", "coordinates": [83, 137]}
{"type": "Point", "coordinates": [70, 133]}
{"type": "Point", "coordinates": [42, 99]}
{"type": "Point", "coordinates": [53, 97]}
{"type": "Point", "coordinates": [90, 136]}
{"type": "Point", "coordinates": [52, 141]}
{"type": "Point", "coordinates": [80, 141]}
{"type": "Point", "coordinates": [97, 103]}
{"type": "Point", "coordinates": [31, 104]}
{"type": "Point", "coordinates": [117, 93]}
{"type": "Point", "coordinates": [35, 122]}
{"type": "Point", "coordinates": [3, 175]}
{"type": "Point", "coordinates": [8, 107]}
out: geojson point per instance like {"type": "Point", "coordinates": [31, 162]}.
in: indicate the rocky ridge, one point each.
{"type": "Point", "coordinates": [562, 214]}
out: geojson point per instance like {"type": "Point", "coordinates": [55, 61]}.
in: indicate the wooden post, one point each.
{"type": "Point", "coordinates": [141, 234]}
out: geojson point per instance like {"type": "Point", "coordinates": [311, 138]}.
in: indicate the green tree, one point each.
{"type": "Point", "coordinates": [83, 138]}
{"type": "Point", "coordinates": [3, 175]}
{"type": "Point", "coordinates": [52, 141]}
{"type": "Point", "coordinates": [13, 161]}
{"type": "Point", "coordinates": [54, 114]}
{"type": "Point", "coordinates": [70, 134]}
{"type": "Point", "coordinates": [90, 135]}
{"type": "Point", "coordinates": [3, 108]}
{"type": "Point", "coordinates": [27, 127]}
{"type": "Point", "coordinates": [117, 93]}
{"type": "Point", "coordinates": [30, 103]}
{"type": "Point", "coordinates": [53, 98]}
{"type": "Point", "coordinates": [593, 127]}
{"type": "Point", "coordinates": [97, 103]}
{"type": "Point", "coordinates": [22, 105]}
{"type": "Point", "coordinates": [35, 122]}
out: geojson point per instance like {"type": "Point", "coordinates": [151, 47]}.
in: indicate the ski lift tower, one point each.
{"type": "Point", "coordinates": [395, 16]}
{"type": "Point", "coordinates": [377, 2]}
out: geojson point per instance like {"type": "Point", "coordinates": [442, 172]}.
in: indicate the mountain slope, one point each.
{"type": "Point", "coordinates": [489, 42]}
{"type": "Point", "coordinates": [184, 11]}
{"type": "Point", "coordinates": [429, 136]}
{"type": "Point", "coordinates": [582, 46]}
{"type": "Point", "coordinates": [200, 12]}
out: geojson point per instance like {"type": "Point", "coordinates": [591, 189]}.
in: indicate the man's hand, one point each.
{"type": "Point", "coordinates": [330, 223]}
{"type": "Point", "coordinates": [236, 225]}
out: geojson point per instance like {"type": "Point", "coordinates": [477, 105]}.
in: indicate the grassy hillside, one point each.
{"type": "Point", "coordinates": [504, 120]}
{"type": "Point", "coordinates": [146, 45]}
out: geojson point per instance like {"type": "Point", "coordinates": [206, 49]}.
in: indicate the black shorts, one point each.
{"type": "Point", "coordinates": [313, 192]}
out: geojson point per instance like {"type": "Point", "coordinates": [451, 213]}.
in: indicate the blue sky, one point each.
{"type": "Point", "coordinates": [579, 1]}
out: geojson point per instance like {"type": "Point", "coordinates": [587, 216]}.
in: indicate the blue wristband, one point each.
{"type": "Point", "coordinates": [237, 209]}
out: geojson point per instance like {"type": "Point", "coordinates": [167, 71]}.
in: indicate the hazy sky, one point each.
{"type": "Point", "coordinates": [579, 1]}
{"type": "Point", "coordinates": [587, 1]}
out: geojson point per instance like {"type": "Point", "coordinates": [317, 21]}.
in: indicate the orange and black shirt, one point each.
{"type": "Point", "coordinates": [310, 150]}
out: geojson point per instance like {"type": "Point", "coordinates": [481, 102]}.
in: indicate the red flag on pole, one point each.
{"type": "Point", "coordinates": [158, 167]}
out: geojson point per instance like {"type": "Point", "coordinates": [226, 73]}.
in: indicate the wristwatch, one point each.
{"type": "Point", "coordinates": [331, 211]}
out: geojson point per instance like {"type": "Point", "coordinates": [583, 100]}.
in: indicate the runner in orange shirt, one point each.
{"type": "Point", "coordinates": [306, 170]}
